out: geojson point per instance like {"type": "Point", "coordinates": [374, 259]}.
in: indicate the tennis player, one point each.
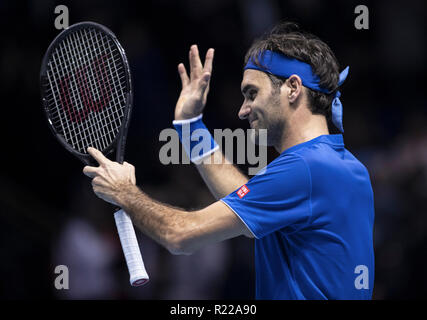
{"type": "Point", "coordinates": [311, 211]}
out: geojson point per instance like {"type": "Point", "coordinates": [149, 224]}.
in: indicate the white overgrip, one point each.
{"type": "Point", "coordinates": [137, 272]}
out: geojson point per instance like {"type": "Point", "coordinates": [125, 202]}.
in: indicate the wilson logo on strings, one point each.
{"type": "Point", "coordinates": [80, 79]}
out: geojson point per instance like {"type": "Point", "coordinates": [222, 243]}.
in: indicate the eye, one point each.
{"type": "Point", "coordinates": [252, 94]}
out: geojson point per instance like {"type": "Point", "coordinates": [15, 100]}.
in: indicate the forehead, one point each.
{"type": "Point", "coordinates": [255, 78]}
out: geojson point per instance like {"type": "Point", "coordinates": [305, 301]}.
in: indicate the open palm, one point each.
{"type": "Point", "coordinates": [195, 88]}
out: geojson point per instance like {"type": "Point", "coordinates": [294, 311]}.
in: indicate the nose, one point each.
{"type": "Point", "coordinates": [244, 111]}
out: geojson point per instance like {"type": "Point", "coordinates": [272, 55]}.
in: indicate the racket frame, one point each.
{"type": "Point", "coordinates": [119, 142]}
{"type": "Point", "coordinates": [138, 276]}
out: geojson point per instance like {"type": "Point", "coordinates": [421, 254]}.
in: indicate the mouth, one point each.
{"type": "Point", "coordinates": [252, 120]}
{"type": "Point", "coordinates": [251, 123]}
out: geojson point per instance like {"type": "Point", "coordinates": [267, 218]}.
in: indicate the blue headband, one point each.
{"type": "Point", "coordinates": [283, 66]}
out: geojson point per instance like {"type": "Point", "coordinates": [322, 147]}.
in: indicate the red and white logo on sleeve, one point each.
{"type": "Point", "coordinates": [243, 191]}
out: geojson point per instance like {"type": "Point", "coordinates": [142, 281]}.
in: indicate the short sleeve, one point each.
{"type": "Point", "coordinates": [278, 199]}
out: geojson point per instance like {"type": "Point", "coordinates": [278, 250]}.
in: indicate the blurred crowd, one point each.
{"type": "Point", "coordinates": [50, 216]}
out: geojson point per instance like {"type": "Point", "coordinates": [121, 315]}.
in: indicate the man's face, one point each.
{"type": "Point", "coordinates": [263, 106]}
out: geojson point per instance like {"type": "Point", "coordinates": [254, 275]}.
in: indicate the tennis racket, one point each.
{"type": "Point", "coordinates": [86, 92]}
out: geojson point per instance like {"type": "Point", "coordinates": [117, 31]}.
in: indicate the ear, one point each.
{"type": "Point", "coordinates": [294, 85]}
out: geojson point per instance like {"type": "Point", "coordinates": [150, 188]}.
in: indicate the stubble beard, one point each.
{"type": "Point", "coordinates": [274, 126]}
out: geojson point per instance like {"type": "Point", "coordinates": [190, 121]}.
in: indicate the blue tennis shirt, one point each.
{"type": "Point", "coordinates": [312, 214]}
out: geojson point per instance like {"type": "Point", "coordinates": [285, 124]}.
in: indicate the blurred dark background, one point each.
{"type": "Point", "coordinates": [49, 216]}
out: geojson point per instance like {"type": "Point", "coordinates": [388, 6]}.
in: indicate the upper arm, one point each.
{"type": "Point", "coordinates": [215, 223]}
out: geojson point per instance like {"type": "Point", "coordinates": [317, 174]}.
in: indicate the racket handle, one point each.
{"type": "Point", "coordinates": [137, 272]}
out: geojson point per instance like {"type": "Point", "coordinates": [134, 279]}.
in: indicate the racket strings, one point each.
{"type": "Point", "coordinates": [98, 92]}
{"type": "Point", "coordinates": [72, 132]}
{"type": "Point", "coordinates": [101, 128]}
{"type": "Point", "coordinates": [73, 97]}
{"type": "Point", "coordinates": [86, 89]}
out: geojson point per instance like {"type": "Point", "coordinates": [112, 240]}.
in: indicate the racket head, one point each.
{"type": "Point", "coordinates": [78, 97]}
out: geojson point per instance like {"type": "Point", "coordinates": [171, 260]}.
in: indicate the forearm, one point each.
{"type": "Point", "coordinates": [179, 231]}
{"type": "Point", "coordinates": [163, 223]}
{"type": "Point", "coordinates": [221, 176]}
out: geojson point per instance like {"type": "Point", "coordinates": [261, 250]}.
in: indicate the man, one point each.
{"type": "Point", "coordinates": [311, 211]}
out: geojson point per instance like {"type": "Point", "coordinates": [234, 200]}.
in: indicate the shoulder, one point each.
{"type": "Point", "coordinates": [284, 160]}
{"type": "Point", "coordinates": [288, 171]}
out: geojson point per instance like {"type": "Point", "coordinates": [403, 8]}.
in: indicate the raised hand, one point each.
{"type": "Point", "coordinates": [195, 88]}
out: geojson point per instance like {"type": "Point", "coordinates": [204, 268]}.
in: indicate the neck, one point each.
{"type": "Point", "coordinates": [301, 129]}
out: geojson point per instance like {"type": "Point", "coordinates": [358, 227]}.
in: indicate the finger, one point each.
{"type": "Point", "coordinates": [90, 171]}
{"type": "Point", "coordinates": [97, 155]}
{"type": "Point", "coordinates": [195, 63]}
{"type": "Point", "coordinates": [204, 83]}
{"type": "Point", "coordinates": [94, 182]}
{"type": "Point", "coordinates": [205, 94]}
{"type": "Point", "coordinates": [209, 60]}
{"type": "Point", "coordinates": [97, 182]}
{"type": "Point", "coordinates": [132, 171]}
{"type": "Point", "coordinates": [183, 74]}
{"type": "Point", "coordinates": [128, 164]}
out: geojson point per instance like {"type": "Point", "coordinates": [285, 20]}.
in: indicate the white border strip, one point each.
{"type": "Point", "coordinates": [197, 160]}
{"type": "Point", "coordinates": [185, 121]}
{"type": "Point", "coordinates": [239, 218]}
